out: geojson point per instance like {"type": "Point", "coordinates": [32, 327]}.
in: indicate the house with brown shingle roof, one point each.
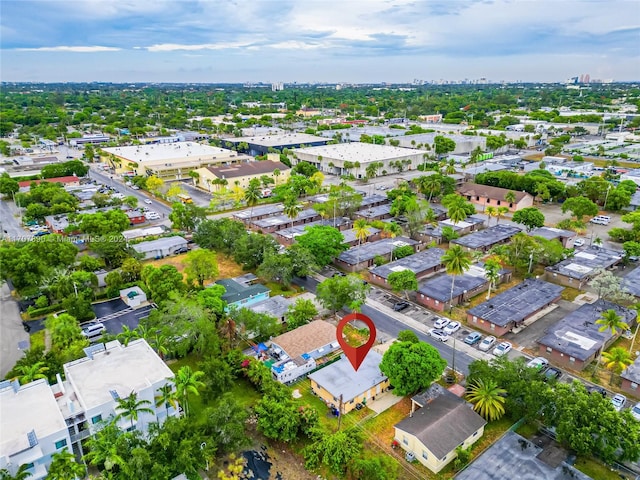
{"type": "Point", "coordinates": [298, 350]}
{"type": "Point", "coordinates": [241, 172]}
{"type": "Point", "coordinates": [488, 196]}
{"type": "Point", "coordinates": [434, 431]}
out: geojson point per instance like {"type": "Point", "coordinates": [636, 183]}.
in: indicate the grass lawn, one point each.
{"type": "Point", "coordinates": [227, 268]}
{"type": "Point", "coordinates": [279, 289]}
{"type": "Point", "coordinates": [570, 293]}
{"type": "Point", "coordinates": [595, 469]}
{"type": "Point", "coordinates": [37, 340]}
{"type": "Point", "coordinates": [196, 402]}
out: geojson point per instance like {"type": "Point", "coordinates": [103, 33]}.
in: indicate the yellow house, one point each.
{"type": "Point", "coordinates": [242, 173]}
{"type": "Point", "coordinates": [342, 387]}
{"type": "Point", "coordinates": [443, 422]}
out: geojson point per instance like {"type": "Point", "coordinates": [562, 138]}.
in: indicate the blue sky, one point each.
{"type": "Point", "coordinates": [318, 40]}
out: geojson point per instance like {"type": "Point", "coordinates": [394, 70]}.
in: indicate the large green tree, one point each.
{"type": "Point", "coordinates": [64, 467]}
{"type": "Point", "coordinates": [300, 313]}
{"type": "Point", "coordinates": [580, 207]}
{"type": "Point", "coordinates": [342, 291]}
{"type": "Point", "coordinates": [530, 217]}
{"type": "Point", "coordinates": [403, 281]}
{"type": "Point", "coordinates": [324, 242]}
{"type": "Point", "coordinates": [201, 265]}
{"type": "Point", "coordinates": [220, 235]}
{"type": "Point", "coordinates": [412, 366]}
{"type": "Point", "coordinates": [251, 250]}
{"type": "Point", "coordinates": [186, 216]}
{"type": "Point", "coordinates": [161, 281]}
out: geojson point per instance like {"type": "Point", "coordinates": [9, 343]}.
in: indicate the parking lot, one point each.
{"type": "Point", "coordinates": [115, 314]}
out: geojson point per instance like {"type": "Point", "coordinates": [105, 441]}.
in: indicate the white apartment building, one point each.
{"type": "Point", "coordinates": [63, 414]}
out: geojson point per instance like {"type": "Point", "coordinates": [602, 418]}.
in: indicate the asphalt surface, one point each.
{"type": "Point", "coordinates": [10, 226]}
{"type": "Point", "coordinates": [115, 314]}
{"type": "Point", "coordinates": [13, 339]}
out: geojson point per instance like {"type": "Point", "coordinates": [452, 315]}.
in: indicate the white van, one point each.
{"type": "Point", "coordinates": [93, 330]}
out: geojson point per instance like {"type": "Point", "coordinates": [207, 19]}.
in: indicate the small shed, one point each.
{"type": "Point", "coordinates": [134, 297]}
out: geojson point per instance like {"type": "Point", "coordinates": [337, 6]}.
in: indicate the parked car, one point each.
{"type": "Point", "coordinates": [487, 343]}
{"type": "Point", "coordinates": [578, 242]}
{"type": "Point", "coordinates": [147, 201]}
{"type": "Point", "coordinates": [452, 328]}
{"type": "Point", "coordinates": [473, 338]}
{"type": "Point", "coordinates": [618, 401]}
{"type": "Point", "coordinates": [441, 323]}
{"type": "Point", "coordinates": [92, 330]}
{"type": "Point", "coordinates": [502, 349]}
{"type": "Point", "coordinates": [597, 389]}
{"type": "Point", "coordinates": [635, 411]}
{"type": "Point", "coordinates": [401, 306]}
{"type": "Point", "coordinates": [551, 373]}
{"type": "Point", "coordinates": [539, 363]}
{"type": "Point", "coordinates": [42, 233]}
{"type": "Point", "coordinates": [439, 335]}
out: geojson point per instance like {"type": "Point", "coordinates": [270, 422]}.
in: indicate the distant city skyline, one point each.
{"type": "Point", "coordinates": [350, 41]}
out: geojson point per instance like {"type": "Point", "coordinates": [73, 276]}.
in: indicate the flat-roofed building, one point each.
{"type": "Point", "coordinates": [422, 264]}
{"type": "Point", "coordinates": [90, 139]}
{"type": "Point", "coordinates": [342, 388]}
{"type": "Point", "coordinates": [299, 350]}
{"type": "Point", "coordinates": [565, 237]}
{"type": "Point", "coordinates": [512, 307]}
{"type": "Point", "coordinates": [343, 158]}
{"type": "Point", "coordinates": [278, 222]}
{"type": "Point", "coordinates": [69, 181]}
{"type": "Point", "coordinates": [380, 212]}
{"type": "Point", "coordinates": [262, 144]}
{"type": "Point", "coordinates": [258, 213]}
{"type": "Point", "coordinates": [276, 307]}
{"type": "Point", "coordinates": [578, 270]}
{"type": "Point", "coordinates": [630, 379]}
{"type": "Point", "coordinates": [631, 282]}
{"type": "Point", "coordinates": [362, 256]}
{"type": "Point", "coordinates": [444, 291]}
{"type": "Point", "coordinates": [430, 233]}
{"type": "Point", "coordinates": [169, 161]}
{"type": "Point", "coordinates": [162, 247]}
{"type": "Point", "coordinates": [33, 428]}
{"type": "Point", "coordinates": [243, 173]}
{"type": "Point", "coordinates": [576, 340]}
{"type": "Point", "coordinates": [488, 196]}
{"type": "Point", "coordinates": [485, 239]}
{"type": "Point", "coordinates": [287, 236]}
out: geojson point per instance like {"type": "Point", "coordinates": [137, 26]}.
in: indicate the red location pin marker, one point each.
{"type": "Point", "coordinates": [356, 355]}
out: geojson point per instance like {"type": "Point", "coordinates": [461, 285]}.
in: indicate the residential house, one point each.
{"type": "Point", "coordinates": [242, 173]}
{"type": "Point", "coordinates": [437, 292]}
{"type": "Point", "coordinates": [258, 213]}
{"type": "Point", "coordinates": [431, 233]}
{"type": "Point", "coordinates": [362, 256]}
{"type": "Point", "coordinates": [133, 297]}
{"type": "Point", "coordinates": [341, 387]}
{"type": "Point", "coordinates": [487, 196]}
{"type": "Point", "coordinates": [299, 351]}
{"type": "Point", "coordinates": [276, 307]}
{"type": "Point", "coordinates": [578, 270]}
{"type": "Point", "coordinates": [278, 222]}
{"type": "Point", "coordinates": [287, 236]}
{"type": "Point", "coordinates": [631, 379]}
{"type": "Point", "coordinates": [379, 212]}
{"type": "Point", "coordinates": [488, 238]}
{"type": "Point", "coordinates": [69, 181]}
{"type": "Point", "coordinates": [511, 308]}
{"type": "Point", "coordinates": [442, 423]}
{"type": "Point", "coordinates": [631, 282]}
{"type": "Point", "coordinates": [162, 247]}
{"type": "Point", "coordinates": [422, 264]}
{"type": "Point", "coordinates": [576, 340]}
{"type": "Point", "coordinates": [565, 237]}
{"type": "Point", "coordinates": [242, 294]}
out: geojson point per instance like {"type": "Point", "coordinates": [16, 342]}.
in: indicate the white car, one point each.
{"type": "Point", "coordinates": [539, 363]}
{"type": "Point", "coordinates": [635, 411]}
{"type": "Point", "coordinates": [502, 349]}
{"type": "Point", "coordinates": [441, 323]}
{"type": "Point", "coordinates": [152, 216]}
{"type": "Point", "coordinates": [452, 328]}
{"type": "Point", "coordinates": [147, 201]}
{"type": "Point", "coordinates": [439, 335]}
{"type": "Point", "coordinates": [487, 343]}
{"type": "Point", "coordinates": [578, 242]}
{"type": "Point", "coordinates": [618, 401]}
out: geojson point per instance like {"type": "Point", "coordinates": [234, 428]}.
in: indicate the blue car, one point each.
{"type": "Point", "coordinates": [473, 338]}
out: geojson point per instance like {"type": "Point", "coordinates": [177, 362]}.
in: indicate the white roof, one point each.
{"type": "Point", "coordinates": [32, 407]}
{"type": "Point", "coordinates": [281, 139]}
{"type": "Point", "coordinates": [361, 152]}
{"type": "Point", "coordinates": [142, 232]}
{"type": "Point", "coordinates": [168, 151]}
{"type": "Point", "coordinates": [122, 369]}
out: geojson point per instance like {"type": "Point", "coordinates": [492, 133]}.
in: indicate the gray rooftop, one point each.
{"type": "Point", "coordinates": [341, 379]}
{"type": "Point", "coordinates": [443, 422]}
{"type": "Point", "coordinates": [436, 231]}
{"type": "Point", "coordinates": [275, 306]}
{"type": "Point", "coordinates": [631, 282]}
{"type": "Point", "coordinates": [374, 212]}
{"type": "Point", "coordinates": [584, 262]}
{"type": "Point", "coordinates": [371, 199]}
{"type": "Point", "coordinates": [368, 251]}
{"type": "Point", "coordinates": [418, 262]}
{"type": "Point", "coordinates": [515, 457]}
{"type": "Point", "coordinates": [160, 244]}
{"type": "Point", "coordinates": [550, 233]}
{"type": "Point", "coordinates": [298, 230]}
{"type": "Point", "coordinates": [577, 334]}
{"type": "Point", "coordinates": [517, 303]}
{"type": "Point", "coordinates": [363, 152]}
{"type": "Point", "coordinates": [235, 291]}
{"type": "Point", "coordinates": [250, 213]}
{"type": "Point", "coordinates": [488, 237]}
{"type": "Point", "coordinates": [632, 372]}
{"type": "Point", "coordinates": [439, 288]}
{"type": "Point", "coordinates": [350, 234]}
{"type": "Point", "coordinates": [284, 219]}
{"type": "Point", "coordinates": [281, 140]}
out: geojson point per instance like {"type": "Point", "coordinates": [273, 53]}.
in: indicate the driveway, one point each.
{"type": "Point", "coordinates": [13, 338]}
{"type": "Point", "coordinates": [115, 314]}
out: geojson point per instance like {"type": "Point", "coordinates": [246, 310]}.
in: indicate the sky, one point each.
{"type": "Point", "coordinates": [351, 41]}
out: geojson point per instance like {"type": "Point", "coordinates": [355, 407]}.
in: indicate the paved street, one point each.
{"type": "Point", "coordinates": [11, 332]}
{"type": "Point", "coordinates": [10, 222]}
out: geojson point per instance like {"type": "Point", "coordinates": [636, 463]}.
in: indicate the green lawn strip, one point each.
{"type": "Point", "coordinates": [595, 469]}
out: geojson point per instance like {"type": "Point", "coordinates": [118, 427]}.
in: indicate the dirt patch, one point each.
{"type": "Point", "coordinates": [227, 268]}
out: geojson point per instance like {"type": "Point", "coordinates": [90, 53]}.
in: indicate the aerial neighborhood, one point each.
{"type": "Point", "coordinates": [176, 264]}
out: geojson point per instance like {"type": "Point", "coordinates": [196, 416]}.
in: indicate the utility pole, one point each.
{"type": "Point", "coordinates": [340, 413]}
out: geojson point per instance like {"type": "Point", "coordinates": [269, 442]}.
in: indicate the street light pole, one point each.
{"type": "Point", "coordinates": [606, 197]}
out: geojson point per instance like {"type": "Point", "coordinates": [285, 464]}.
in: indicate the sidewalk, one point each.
{"type": "Point", "coordinates": [11, 332]}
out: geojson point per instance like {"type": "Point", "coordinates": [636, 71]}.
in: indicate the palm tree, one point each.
{"type": "Point", "coordinates": [127, 334]}
{"type": "Point", "coordinates": [159, 343]}
{"type": "Point", "coordinates": [616, 360]}
{"type": "Point", "coordinates": [492, 272]}
{"type": "Point", "coordinates": [456, 262]}
{"type": "Point", "coordinates": [361, 229]}
{"type": "Point", "coordinates": [487, 399]}
{"type": "Point", "coordinates": [501, 213]}
{"type": "Point", "coordinates": [167, 397]}
{"type": "Point", "coordinates": [392, 230]}
{"type": "Point", "coordinates": [194, 175]}
{"type": "Point", "coordinates": [130, 407]}
{"type": "Point", "coordinates": [610, 320]}
{"type": "Point", "coordinates": [252, 193]}
{"type": "Point", "coordinates": [491, 212]}
{"type": "Point", "coordinates": [21, 474]}
{"type": "Point", "coordinates": [187, 381]}
{"type": "Point", "coordinates": [276, 174]}
{"type": "Point", "coordinates": [456, 210]}
{"type": "Point", "coordinates": [291, 209]}
{"type": "Point", "coordinates": [65, 467]}
{"type": "Point", "coordinates": [510, 197]}
{"type": "Point", "coordinates": [451, 168]}
{"type": "Point", "coordinates": [29, 373]}
{"type": "Point", "coordinates": [103, 448]}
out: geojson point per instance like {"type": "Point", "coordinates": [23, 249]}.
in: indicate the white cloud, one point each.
{"type": "Point", "coordinates": [172, 47]}
{"type": "Point", "coordinates": [79, 49]}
